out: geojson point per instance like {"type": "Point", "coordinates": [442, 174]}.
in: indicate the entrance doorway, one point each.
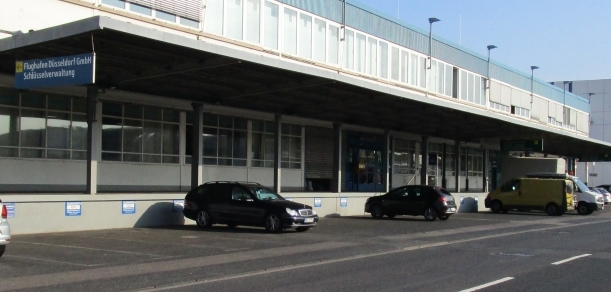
{"type": "Point", "coordinates": [364, 163]}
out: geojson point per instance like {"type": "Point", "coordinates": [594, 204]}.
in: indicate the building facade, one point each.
{"type": "Point", "coordinates": [323, 101]}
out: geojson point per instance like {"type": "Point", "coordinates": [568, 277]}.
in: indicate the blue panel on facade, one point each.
{"type": "Point", "coordinates": [73, 209]}
{"type": "Point", "coordinates": [60, 71]}
{"type": "Point", "coordinates": [10, 210]}
{"type": "Point", "coordinates": [128, 207]}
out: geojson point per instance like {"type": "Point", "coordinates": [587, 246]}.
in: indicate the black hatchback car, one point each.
{"type": "Point", "coordinates": [416, 200]}
{"type": "Point", "coordinates": [246, 203]}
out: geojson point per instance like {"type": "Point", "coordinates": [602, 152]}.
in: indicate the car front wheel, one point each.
{"type": "Point", "coordinates": [376, 211]}
{"type": "Point", "coordinates": [496, 206]}
{"type": "Point", "coordinates": [430, 214]}
{"type": "Point", "coordinates": [273, 223]}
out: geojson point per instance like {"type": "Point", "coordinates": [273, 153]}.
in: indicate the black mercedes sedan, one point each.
{"type": "Point", "coordinates": [246, 203]}
{"type": "Point", "coordinates": [416, 200]}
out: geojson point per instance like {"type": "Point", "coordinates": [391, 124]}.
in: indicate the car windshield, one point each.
{"type": "Point", "coordinates": [265, 194]}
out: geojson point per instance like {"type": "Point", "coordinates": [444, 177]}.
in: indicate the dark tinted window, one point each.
{"type": "Point", "coordinates": [513, 185]}
{"type": "Point", "coordinates": [398, 192]}
{"type": "Point", "coordinates": [416, 193]}
{"type": "Point", "coordinates": [218, 193]}
{"type": "Point", "coordinates": [240, 194]}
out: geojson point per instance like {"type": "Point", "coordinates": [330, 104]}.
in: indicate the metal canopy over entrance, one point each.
{"type": "Point", "coordinates": [144, 60]}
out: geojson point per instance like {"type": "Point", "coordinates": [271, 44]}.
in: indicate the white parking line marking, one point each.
{"type": "Point", "coordinates": [51, 261]}
{"type": "Point", "coordinates": [90, 248]}
{"type": "Point", "coordinates": [570, 259]}
{"type": "Point", "coordinates": [488, 284]}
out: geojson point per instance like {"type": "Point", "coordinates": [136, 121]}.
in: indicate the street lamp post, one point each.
{"type": "Point", "coordinates": [431, 20]}
{"type": "Point", "coordinates": [532, 78]}
{"type": "Point", "coordinates": [490, 47]}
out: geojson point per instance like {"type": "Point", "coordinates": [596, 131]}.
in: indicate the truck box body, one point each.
{"type": "Point", "coordinates": [586, 201]}
{"type": "Point", "coordinates": [554, 196]}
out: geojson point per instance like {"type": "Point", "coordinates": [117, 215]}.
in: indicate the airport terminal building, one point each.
{"type": "Point", "coordinates": [324, 101]}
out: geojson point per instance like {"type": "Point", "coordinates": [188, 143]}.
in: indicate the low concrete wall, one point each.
{"type": "Point", "coordinates": [41, 213]}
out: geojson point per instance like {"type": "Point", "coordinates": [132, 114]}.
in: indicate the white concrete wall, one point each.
{"type": "Point", "coordinates": [46, 212]}
{"type": "Point", "coordinates": [25, 15]}
{"type": "Point", "coordinates": [28, 173]}
{"type": "Point", "coordinates": [124, 173]}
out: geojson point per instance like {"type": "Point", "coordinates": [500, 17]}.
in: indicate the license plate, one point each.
{"type": "Point", "coordinates": [308, 220]}
{"type": "Point", "coordinates": [451, 209]}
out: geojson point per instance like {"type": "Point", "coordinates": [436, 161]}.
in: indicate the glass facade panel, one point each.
{"type": "Point", "coordinates": [9, 126]}
{"type": "Point", "coordinates": [115, 3]}
{"type": "Point", "coordinates": [140, 9]}
{"type": "Point", "coordinates": [271, 26]}
{"type": "Point", "coordinates": [320, 40]}
{"type": "Point", "coordinates": [305, 36]}
{"type": "Point", "coordinates": [383, 60]}
{"type": "Point", "coordinates": [132, 136]}
{"type": "Point", "coordinates": [448, 80]}
{"type": "Point", "coordinates": [58, 130]}
{"type": "Point", "coordinates": [165, 16]}
{"type": "Point", "coordinates": [213, 20]}
{"type": "Point", "coordinates": [79, 132]}
{"type": "Point", "coordinates": [372, 56]}
{"type": "Point", "coordinates": [148, 139]}
{"type": "Point", "coordinates": [394, 64]}
{"type": "Point", "coordinates": [470, 93]}
{"type": "Point", "coordinates": [477, 94]}
{"type": "Point", "coordinates": [333, 49]}
{"type": "Point", "coordinates": [463, 85]}
{"type": "Point", "coordinates": [349, 50]}
{"type": "Point", "coordinates": [404, 66]}
{"type": "Point", "coordinates": [253, 21]}
{"type": "Point", "coordinates": [422, 71]}
{"type": "Point", "coordinates": [413, 70]}
{"type": "Point", "coordinates": [360, 53]}
{"type": "Point", "coordinates": [234, 19]}
{"type": "Point", "coordinates": [289, 28]}
{"type": "Point", "coordinates": [33, 128]}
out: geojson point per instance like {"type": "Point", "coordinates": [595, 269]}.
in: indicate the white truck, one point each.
{"type": "Point", "coordinates": [586, 201]}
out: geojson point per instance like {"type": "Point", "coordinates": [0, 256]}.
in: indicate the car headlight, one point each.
{"type": "Point", "coordinates": [292, 212]}
{"type": "Point", "coordinates": [314, 212]}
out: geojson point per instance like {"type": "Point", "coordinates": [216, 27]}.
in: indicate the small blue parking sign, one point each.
{"type": "Point", "coordinates": [343, 202]}
{"type": "Point", "coordinates": [317, 202]}
{"type": "Point", "coordinates": [128, 207]}
{"type": "Point", "coordinates": [179, 205]}
{"type": "Point", "coordinates": [73, 209]}
{"type": "Point", "coordinates": [10, 210]}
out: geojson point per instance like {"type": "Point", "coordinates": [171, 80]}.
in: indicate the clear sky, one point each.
{"type": "Point", "coordinates": [566, 39]}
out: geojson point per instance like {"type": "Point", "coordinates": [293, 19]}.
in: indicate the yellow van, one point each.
{"type": "Point", "coordinates": [554, 196]}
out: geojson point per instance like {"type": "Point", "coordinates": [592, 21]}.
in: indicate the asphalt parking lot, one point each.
{"type": "Point", "coordinates": [136, 258]}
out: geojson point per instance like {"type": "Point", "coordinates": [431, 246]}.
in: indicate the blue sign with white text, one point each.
{"type": "Point", "coordinates": [10, 210]}
{"type": "Point", "coordinates": [343, 202]}
{"type": "Point", "coordinates": [179, 205]}
{"type": "Point", "coordinates": [73, 209]}
{"type": "Point", "coordinates": [128, 207]}
{"type": "Point", "coordinates": [317, 202]}
{"type": "Point", "coordinates": [59, 71]}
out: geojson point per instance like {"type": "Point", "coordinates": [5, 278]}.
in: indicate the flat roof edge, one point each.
{"type": "Point", "coordinates": [51, 33]}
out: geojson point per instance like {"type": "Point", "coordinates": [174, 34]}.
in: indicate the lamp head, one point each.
{"type": "Point", "coordinates": [490, 47]}
{"type": "Point", "coordinates": [533, 67]}
{"type": "Point", "coordinates": [433, 19]}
